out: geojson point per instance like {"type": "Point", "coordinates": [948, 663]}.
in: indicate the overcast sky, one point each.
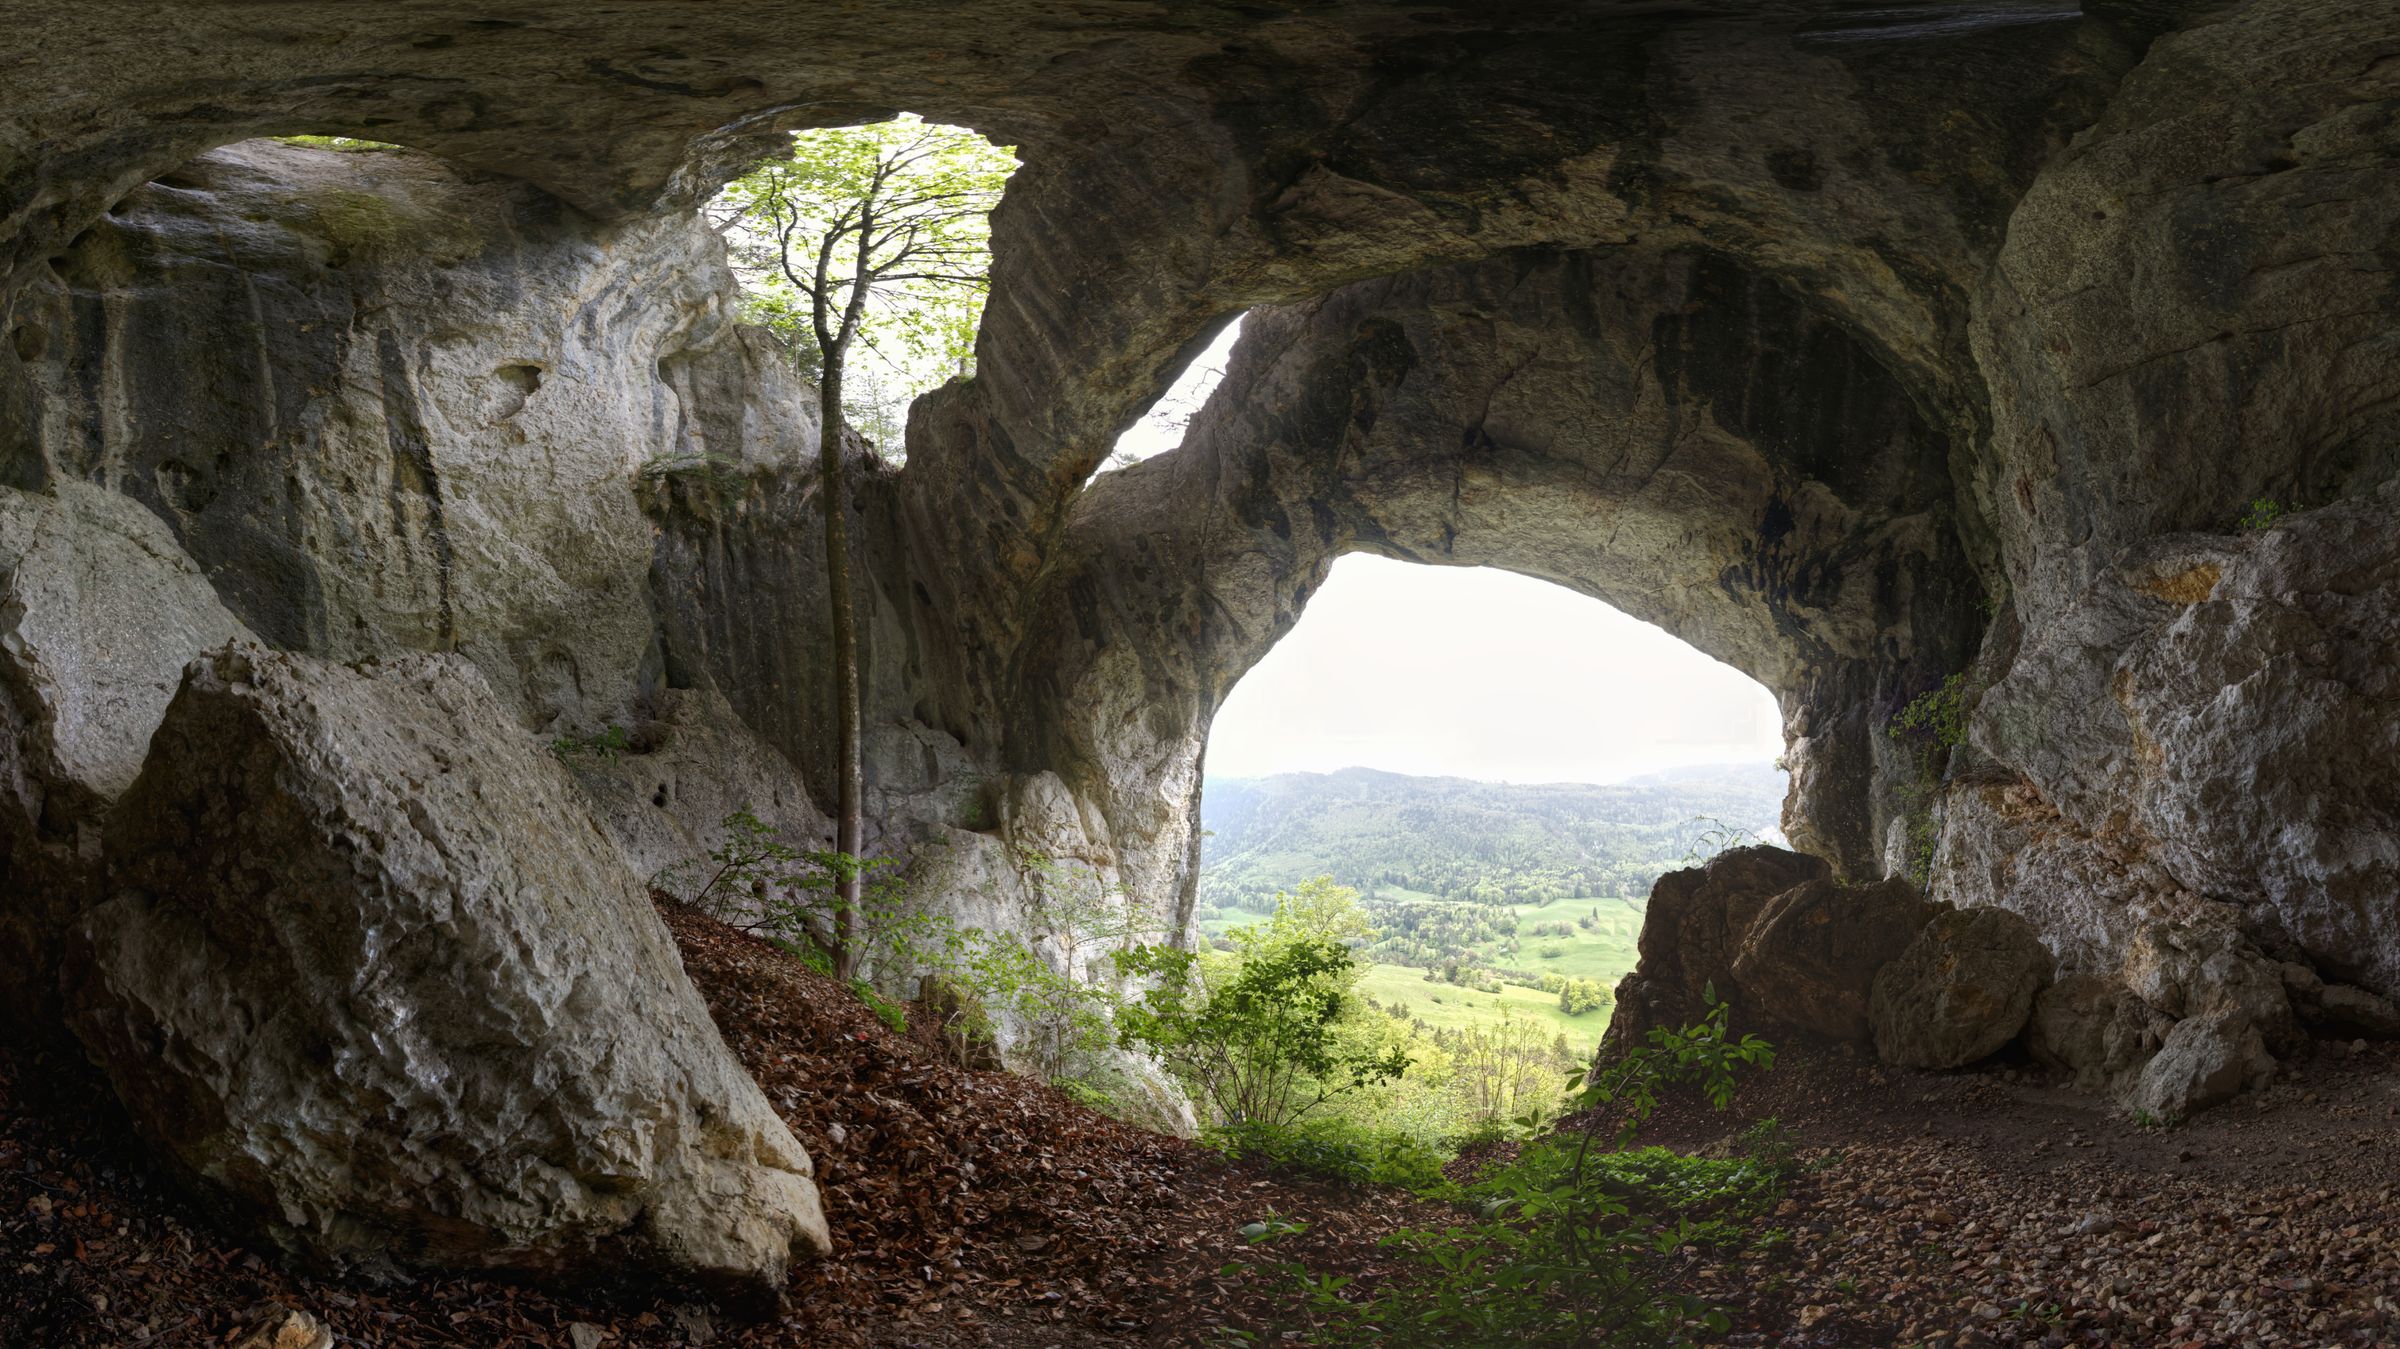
{"type": "Point", "coordinates": [1475, 673]}
{"type": "Point", "coordinates": [1470, 672]}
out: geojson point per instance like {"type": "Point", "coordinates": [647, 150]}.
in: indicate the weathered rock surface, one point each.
{"type": "Point", "coordinates": [373, 971]}
{"type": "Point", "coordinates": [1812, 954]}
{"type": "Point", "coordinates": [2089, 1026]}
{"type": "Point", "coordinates": [2344, 1010]}
{"type": "Point", "coordinates": [2206, 1060]}
{"type": "Point", "coordinates": [99, 612]}
{"type": "Point", "coordinates": [1963, 989]}
{"type": "Point", "coordinates": [1815, 335]}
{"type": "Point", "coordinates": [1692, 931]}
{"type": "Point", "coordinates": [1772, 935]}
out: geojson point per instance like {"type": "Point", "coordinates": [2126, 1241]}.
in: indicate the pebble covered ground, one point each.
{"type": "Point", "coordinates": [1994, 1208]}
{"type": "Point", "coordinates": [1989, 1207]}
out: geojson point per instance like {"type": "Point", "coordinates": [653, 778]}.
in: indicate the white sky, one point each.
{"type": "Point", "coordinates": [1468, 672]}
{"type": "Point", "coordinates": [1475, 673]}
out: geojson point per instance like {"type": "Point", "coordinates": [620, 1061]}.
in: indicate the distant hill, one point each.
{"type": "Point", "coordinates": [1485, 842]}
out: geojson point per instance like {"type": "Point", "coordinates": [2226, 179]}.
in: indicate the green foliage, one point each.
{"type": "Point", "coordinates": [1090, 1095]}
{"type": "Point", "coordinates": [897, 209]}
{"type": "Point", "coordinates": [693, 466]}
{"type": "Point", "coordinates": [1576, 996]}
{"type": "Point", "coordinates": [1936, 715]}
{"type": "Point", "coordinates": [1483, 844]}
{"type": "Point", "coordinates": [1571, 1239]}
{"type": "Point", "coordinates": [2262, 514]}
{"type": "Point", "coordinates": [1272, 1031]}
{"type": "Point", "coordinates": [891, 1014]}
{"type": "Point", "coordinates": [606, 744]}
{"type": "Point", "coordinates": [1337, 1149]}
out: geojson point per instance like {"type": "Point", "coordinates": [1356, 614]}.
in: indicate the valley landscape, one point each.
{"type": "Point", "coordinates": [1485, 897]}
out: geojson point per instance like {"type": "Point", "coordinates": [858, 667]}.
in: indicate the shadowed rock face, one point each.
{"type": "Point", "coordinates": [384, 981]}
{"type": "Point", "coordinates": [1857, 347]}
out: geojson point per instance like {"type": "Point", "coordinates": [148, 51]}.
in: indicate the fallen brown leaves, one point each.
{"type": "Point", "coordinates": [978, 1208]}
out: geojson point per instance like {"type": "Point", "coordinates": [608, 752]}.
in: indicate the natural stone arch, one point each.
{"type": "Point", "coordinates": [1690, 443]}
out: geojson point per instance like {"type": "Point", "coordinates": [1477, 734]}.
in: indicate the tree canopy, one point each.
{"type": "Point", "coordinates": [886, 225]}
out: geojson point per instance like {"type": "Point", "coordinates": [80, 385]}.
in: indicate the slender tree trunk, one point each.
{"type": "Point", "coordinates": [849, 773]}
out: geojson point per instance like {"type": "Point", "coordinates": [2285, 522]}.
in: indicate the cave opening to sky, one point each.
{"type": "Point", "coordinates": [1479, 673]}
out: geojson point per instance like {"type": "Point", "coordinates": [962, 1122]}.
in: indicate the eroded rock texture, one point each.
{"type": "Point", "coordinates": [1859, 348]}
{"type": "Point", "coordinates": [375, 973]}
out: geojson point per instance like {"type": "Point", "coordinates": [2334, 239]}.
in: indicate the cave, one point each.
{"type": "Point", "coordinates": [1871, 351]}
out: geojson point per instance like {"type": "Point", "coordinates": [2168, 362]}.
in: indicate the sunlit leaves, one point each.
{"type": "Point", "coordinates": [867, 253]}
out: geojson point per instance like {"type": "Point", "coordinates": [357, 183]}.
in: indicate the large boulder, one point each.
{"type": "Point", "coordinates": [2197, 970]}
{"type": "Point", "coordinates": [1691, 931]}
{"type": "Point", "coordinates": [99, 613]}
{"type": "Point", "coordinates": [374, 974]}
{"type": "Point", "coordinates": [1811, 955]}
{"type": "Point", "coordinates": [2206, 1060]}
{"type": "Point", "coordinates": [1963, 989]}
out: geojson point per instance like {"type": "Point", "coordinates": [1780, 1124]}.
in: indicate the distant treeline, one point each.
{"type": "Point", "coordinates": [1479, 843]}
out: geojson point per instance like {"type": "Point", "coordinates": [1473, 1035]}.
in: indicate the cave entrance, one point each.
{"type": "Point", "coordinates": [1498, 767]}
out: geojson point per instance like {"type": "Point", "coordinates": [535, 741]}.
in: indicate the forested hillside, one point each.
{"type": "Point", "coordinates": [1481, 842]}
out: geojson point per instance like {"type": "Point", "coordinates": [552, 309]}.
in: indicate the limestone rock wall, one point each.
{"type": "Point", "coordinates": [1858, 348]}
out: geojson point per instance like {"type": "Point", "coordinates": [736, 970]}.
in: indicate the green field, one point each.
{"type": "Point", "coordinates": [1603, 953]}
{"type": "Point", "coordinates": [1453, 1008]}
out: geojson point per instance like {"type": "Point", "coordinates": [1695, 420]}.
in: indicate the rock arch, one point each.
{"type": "Point", "coordinates": [1856, 351]}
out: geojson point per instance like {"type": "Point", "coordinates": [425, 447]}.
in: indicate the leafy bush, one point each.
{"type": "Point", "coordinates": [891, 1014]}
{"type": "Point", "coordinates": [2262, 514]}
{"type": "Point", "coordinates": [606, 744]}
{"type": "Point", "coordinates": [1938, 715]}
{"type": "Point", "coordinates": [1577, 996]}
{"type": "Point", "coordinates": [1338, 1150]}
{"type": "Point", "coordinates": [1276, 1030]}
{"type": "Point", "coordinates": [1573, 1234]}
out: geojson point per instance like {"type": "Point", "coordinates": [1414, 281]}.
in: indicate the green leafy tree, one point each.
{"type": "Point", "coordinates": [1274, 1030]}
{"type": "Point", "coordinates": [880, 235]}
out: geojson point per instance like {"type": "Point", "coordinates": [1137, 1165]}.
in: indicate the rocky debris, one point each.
{"type": "Point", "coordinates": [1964, 988]}
{"type": "Point", "coordinates": [2191, 971]}
{"type": "Point", "coordinates": [2206, 1060]}
{"type": "Point", "coordinates": [2338, 1008]}
{"type": "Point", "coordinates": [2090, 1027]}
{"type": "Point", "coordinates": [282, 1327]}
{"type": "Point", "coordinates": [1810, 957]}
{"type": "Point", "coordinates": [375, 976]}
{"type": "Point", "coordinates": [2343, 1008]}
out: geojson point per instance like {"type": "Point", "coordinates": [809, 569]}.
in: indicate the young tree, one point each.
{"type": "Point", "coordinates": [875, 235]}
{"type": "Point", "coordinates": [1271, 1033]}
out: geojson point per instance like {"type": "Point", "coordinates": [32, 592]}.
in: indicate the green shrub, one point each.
{"type": "Point", "coordinates": [891, 1014]}
{"type": "Point", "coordinates": [1337, 1150]}
{"type": "Point", "coordinates": [606, 744]}
{"type": "Point", "coordinates": [1574, 1236]}
{"type": "Point", "coordinates": [1938, 715]}
{"type": "Point", "coordinates": [1274, 1032]}
{"type": "Point", "coordinates": [2262, 514]}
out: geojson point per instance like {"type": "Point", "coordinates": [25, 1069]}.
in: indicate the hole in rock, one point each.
{"type": "Point", "coordinates": [1163, 427]}
{"type": "Point", "coordinates": [1499, 768]}
{"type": "Point", "coordinates": [792, 225]}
